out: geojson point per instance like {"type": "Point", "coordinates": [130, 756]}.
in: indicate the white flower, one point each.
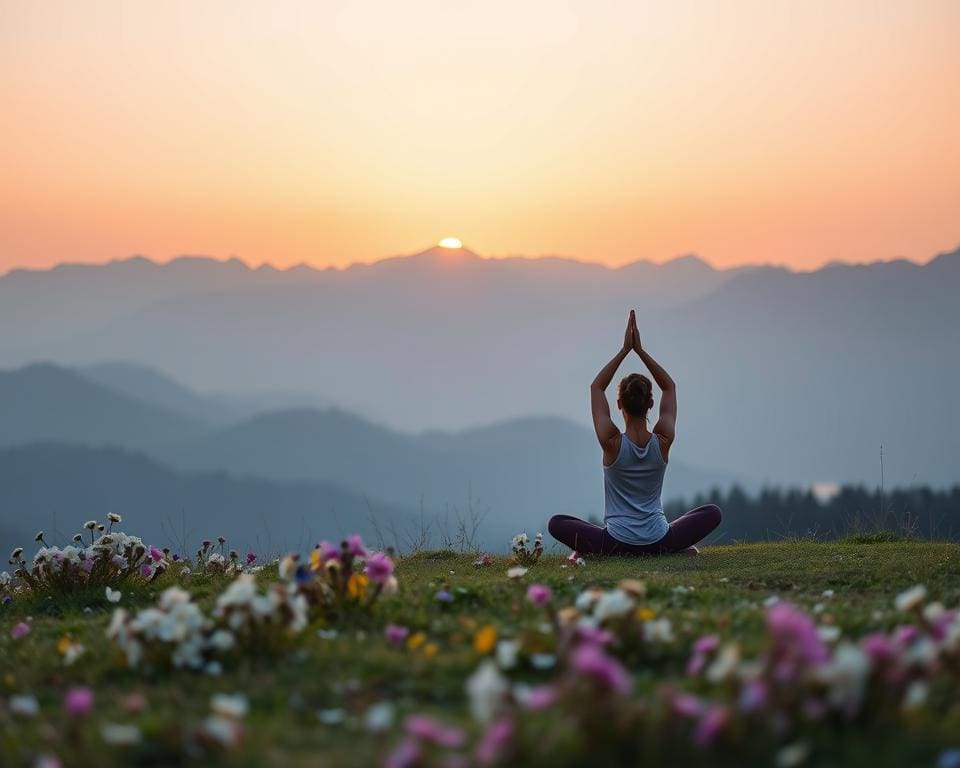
{"type": "Point", "coordinates": [331, 716]}
{"type": "Point", "coordinates": [113, 517]}
{"type": "Point", "coordinates": [933, 611]}
{"type": "Point", "coordinates": [827, 594]}
{"type": "Point", "coordinates": [113, 595]}
{"type": "Point", "coordinates": [587, 598]}
{"type": "Point", "coordinates": [612, 604]}
{"type": "Point", "coordinates": [520, 540]}
{"type": "Point", "coordinates": [771, 601]}
{"type": "Point", "coordinates": [658, 630]}
{"type": "Point", "coordinates": [507, 652]}
{"type": "Point", "coordinates": [517, 572]}
{"type": "Point", "coordinates": [74, 651]}
{"type": "Point", "coordinates": [222, 640]}
{"type": "Point", "coordinates": [792, 755]}
{"type": "Point", "coordinates": [379, 717]}
{"type": "Point", "coordinates": [23, 705]}
{"type": "Point", "coordinates": [213, 668]}
{"type": "Point", "coordinates": [224, 731]}
{"type": "Point", "coordinates": [90, 525]}
{"type": "Point", "coordinates": [829, 633]}
{"type": "Point", "coordinates": [911, 599]}
{"type": "Point", "coordinates": [233, 705]}
{"type": "Point", "coordinates": [486, 690]}
{"type": "Point", "coordinates": [543, 660]}
{"type": "Point", "coordinates": [916, 695]}
{"type": "Point", "coordinates": [846, 674]}
{"type": "Point", "coordinates": [725, 664]}
{"type": "Point", "coordinates": [119, 735]}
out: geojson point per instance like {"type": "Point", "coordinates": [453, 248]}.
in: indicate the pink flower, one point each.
{"type": "Point", "coordinates": [328, 551]}
{"type": "Point", "coordinates": [539, 594]}
{"type": "Point", "coordinates": [146, 570]}
{"type": "Point", "coordinates": [155, 554]}
{"type": "Point", "coordinates": [753, 696]}
{"type": "Point", "coordinates": [405, 755]}
{"type": "Point", "coordinates": [355, 546]}
{"type": "Point", "coordinates": [878, 647]}
{"type": "Point", "coordinates": [396, 634]}
{"type": "Point", "coordinates": [426, 728]}
{"type": "Point", "coordinates": [594, 635]}
{"type": "Point", "coordinates": [78, 701]}
{"type": "Point", "coordinates": [710, 727]}
{"type": "Point", "coordinates": [379, 568]}
{"type": "Point", "coordinates": [794, 634]}
{"type": "Point", "coordinates": [483, 561]}
{"type": "Point", "coordinates": [20, 630]}
{"type": "Point", "coordinates": [494, 741]}
{"type": "Point", "coordinates": [87, 564]}
{"type": "Point", "coordinates": [706, 644]}
{"type": "Point", "coordinates": [573, 556]}
{"type": "Point", "coordinates": [539, 698]}
{"type": "Point", "coordinates": [592, 661]}
{"type": "Point", "coordinates": [686, 705]}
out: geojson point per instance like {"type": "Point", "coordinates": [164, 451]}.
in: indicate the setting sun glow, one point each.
{"type": "Point", "coordinates": [450, 242]}
{"type": "Point", "coordinates": [793, 133]}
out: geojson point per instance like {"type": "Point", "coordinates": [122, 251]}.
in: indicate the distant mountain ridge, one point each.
{"type": "Point", "coordinates": [500, 470]}
{"type": "Point", "coordinates": [786, 377]}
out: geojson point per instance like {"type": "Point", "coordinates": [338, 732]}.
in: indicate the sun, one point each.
{"type": "Point", "coordinates": [450, 242]}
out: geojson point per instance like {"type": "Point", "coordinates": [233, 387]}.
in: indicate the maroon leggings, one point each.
{"type": "Point", "coordinates": [589, 539]}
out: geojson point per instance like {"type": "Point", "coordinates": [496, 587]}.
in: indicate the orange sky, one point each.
{"type": "Point", "coordinates": [755, 131]}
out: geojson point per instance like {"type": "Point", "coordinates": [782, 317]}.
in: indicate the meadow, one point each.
{"type": "Point", "coordinates": [789, 653]}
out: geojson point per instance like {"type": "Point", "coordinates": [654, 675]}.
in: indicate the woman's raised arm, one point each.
{"type": "Point", "coordinates": [607, 432]}
{"type": "Point", "coordinates": [666, 425]}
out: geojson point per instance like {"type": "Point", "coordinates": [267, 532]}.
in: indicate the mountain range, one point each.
{"type": "Point", "coordinates": [783, 377]}
{"type": "Point", "coordinates": [77, 447]}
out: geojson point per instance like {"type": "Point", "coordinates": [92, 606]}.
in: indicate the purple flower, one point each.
{"type": "Point", "coordinates": [87, 564]}
{"type": "Point", "coordinates": [20, 630]}
{"type": "Point", "coordinates": [594, 635]}
{"type": "Point", "coordinates": [78, 701]}
{"type": "Point", "coordinates": [396, 634]}
{"type": "Point", "coordinates": [176, 558]}
{"type": "Point", "coordinates": [444, 596]}
{"type": "Point", "coordinates": [155, 554]}
{"type": "Point", "coordinates": [146, 570]}
{"type": "Point", "coordinates": [686, 705]}
{"type": "Point", "coordinates": [710, 727]}
{"type": "Point", "coordinates": [251, 558]}
{"type": "Point", "coordinates": [949, 758]}
{"type": "Point", "coordinates": [539, 698]}
{"type": "Point", "coordinates": [753, 696]}
{"type": "Point", "coordinates": [379, 568]}
{"type": "Point", "coordinates": [706, 644]}
{"type": "Point", "coordinates": [904, 636]}
{"type": "Point", "coordinates": [426, 728]}
{"type": "Point", "coordinates": [878, 647]}
{"type": "Point", "coordinates": [794, 634]}
{"type": "Point", "coordinates": [494, 741]}
{"type": "Point", "coordinates": [592, 661]}
{"type": "Point", "coordinates": [405, 755]}
{"type": "Point", "coordinates": [539, 594]}
{"type": "Point", "coordinates": [355, 546]}
{"type": "Point", "coordinates": [328, 551]}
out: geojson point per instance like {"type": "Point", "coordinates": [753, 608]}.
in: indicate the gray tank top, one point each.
{"type": "Point", "coordinates": [632, 486]}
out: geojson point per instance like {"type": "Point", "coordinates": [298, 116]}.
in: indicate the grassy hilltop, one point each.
{"type": "Point", "coordinates": [339, 693]}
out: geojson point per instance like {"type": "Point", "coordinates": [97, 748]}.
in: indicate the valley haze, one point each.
{"type": "Point", "coordinates": [443, 380]}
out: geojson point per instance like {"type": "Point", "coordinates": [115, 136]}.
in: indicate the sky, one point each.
{"type": "Point", "coordinates": [794, 133]}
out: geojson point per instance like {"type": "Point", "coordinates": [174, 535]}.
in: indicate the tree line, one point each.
{"type": "Point", "coordinates": [772, 513]}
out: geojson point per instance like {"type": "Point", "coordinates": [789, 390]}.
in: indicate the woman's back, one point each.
{"type": "Point", "coordinates": [632, 488]}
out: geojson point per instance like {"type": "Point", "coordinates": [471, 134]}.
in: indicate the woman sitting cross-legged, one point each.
{"type": "Point", "coordinates": [634, 462]}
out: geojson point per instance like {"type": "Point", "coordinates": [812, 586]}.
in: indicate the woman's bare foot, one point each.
{"type": "Point", "coordinates": [689, 551]}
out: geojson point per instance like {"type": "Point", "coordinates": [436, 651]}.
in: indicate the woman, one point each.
{"type": "Point", "coordinates": [634, 463]}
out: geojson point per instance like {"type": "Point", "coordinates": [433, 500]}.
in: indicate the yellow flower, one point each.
{"type": "Point", "coordinates": [645, 614]}
{"type": "Point", "coordinates": [357, 585]}
{"type": "Point", "coordinates": [430, 650]}
{"type": "Point", "coordinates": [485, 639]}
{"type": "Point", "coordinates": [315, 560]}
{"type": "Point", "coordinates": [416, 640]}
{"type": "Point", "coordinates": [63, 645]}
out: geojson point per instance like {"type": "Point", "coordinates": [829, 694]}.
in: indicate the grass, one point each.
{"type": "Point", "coordinates": [307, 704]}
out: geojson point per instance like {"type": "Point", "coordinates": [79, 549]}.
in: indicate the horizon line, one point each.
{"type": "Point", "coordinates": [268, 265]}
